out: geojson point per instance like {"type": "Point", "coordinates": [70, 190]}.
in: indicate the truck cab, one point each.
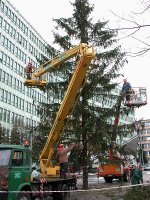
{"type": "Point", "coordinates": [15, 171]}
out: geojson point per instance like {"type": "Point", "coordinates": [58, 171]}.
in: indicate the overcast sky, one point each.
{"type": "Point", "coordinates": [137, 70]}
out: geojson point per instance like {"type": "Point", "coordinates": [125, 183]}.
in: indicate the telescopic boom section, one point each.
{"type": "Point", "coordinates": [116, 121]}
{"type": "Point", "coordinates": [86, 55]}
{"type": "Point", "coordinates": [65, 108]}
{"type": "Point", "coordinates": [37, 80]}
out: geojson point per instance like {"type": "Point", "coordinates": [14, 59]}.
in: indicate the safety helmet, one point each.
{"type": "Point", "coordinates": [133, 165]}
{"type": "Point", "coordinates": [29, 63]}
{"type": "Point", "coordinates": [60, 146]}
{"type": "Point", "coordinates": [34, 166]}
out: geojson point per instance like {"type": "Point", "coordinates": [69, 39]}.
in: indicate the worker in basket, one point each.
{"type": "Point", "coordinates": [62, 158]}
{"type": "Point", "coordinates": [126, 89]}
{"type": "Point", "coordinates": [28, 70]}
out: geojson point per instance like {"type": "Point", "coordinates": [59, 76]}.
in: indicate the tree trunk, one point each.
{"type": "Point", "coordinates": [85, 143]}
{"type": "Point", "coordinates": [84, 156]}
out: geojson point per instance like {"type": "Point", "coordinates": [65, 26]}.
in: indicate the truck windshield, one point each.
{"type": "Point", "coordinates": [4, 157]}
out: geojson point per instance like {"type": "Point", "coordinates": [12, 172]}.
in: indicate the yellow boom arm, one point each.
{"type": "Point", "coordinates": [86, 56]}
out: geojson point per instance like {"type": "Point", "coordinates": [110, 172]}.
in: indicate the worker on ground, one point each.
{"type": "Point", "coordinates": [126, 89]}
{"type": "Point", "coordinates": [140, 174]}
{"type": "Point", "coordinates": [28, 70]}
{"type": "Point", "coordinates": [134, 175]}
{"type": "Point", "coordinates": [35, 175]}
{"type": "Point", "coordinates": [62, 158]}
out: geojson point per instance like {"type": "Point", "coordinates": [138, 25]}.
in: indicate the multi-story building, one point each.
{"type": "Point", "coordinates": [144, 140]}
{"type": "Point", "coordinates": [19, 44]}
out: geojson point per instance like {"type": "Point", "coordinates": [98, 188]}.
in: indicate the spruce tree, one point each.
{"type": "Point", "coordinates": [18, 132]}
{"type": "Point", "coordinates": [90, 123]}
{"type": "Point", "coordinates": [4, 138]}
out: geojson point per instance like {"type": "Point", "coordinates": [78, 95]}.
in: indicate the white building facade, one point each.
{"type": "Point", "coordinates": [19, 44]}
{"type": "Point", "coordinates": [144, 141]}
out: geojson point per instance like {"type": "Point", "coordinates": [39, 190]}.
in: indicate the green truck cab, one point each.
{"type": "Point", "coordinates": [15, 171]}
{"type": "Point", "coordinates": [15, 177]}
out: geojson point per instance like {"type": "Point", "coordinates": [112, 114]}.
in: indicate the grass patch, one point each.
{"type": "Point", "coordinates": [140, 193]}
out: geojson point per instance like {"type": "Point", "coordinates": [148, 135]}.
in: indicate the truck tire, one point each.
{"type": "Point", "coordinates": [126, 177]}
{"type": "Point", "coordinates": [108, 179]}
{"type": "Point", "coordinates": [24, 196]}
{"type": "Point", "coordinates": [65, 195]}
{"type": "Point", "coordinates": [33, 198]}
{"type": "Point", "coordinates": [62, 195]}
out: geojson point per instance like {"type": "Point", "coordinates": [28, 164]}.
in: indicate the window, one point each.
{"type": "Point", "coordinates": [26, 30]}
{"type": "Point", "coordinates": [14, 83]}
{"type": "Point", "coordinates": [29, 107]}
{"type": "Point", "coordinates": [22, 104]}
{"type": "Point", "coordinates": [3, 76]}
{"type": "Point", "coordinates": [17, 84]}
{"type": "Point", "coordinates": [4, 59]}
{"type": "Point", "coordinates": [14, 33]}
{"type": "Point", "coordinates": [27, 158]}
{"type": "Point", "coordinates": [9, 98]}
{"type": "Point", "coordinates": [2, 94]}
{"type": "Point", "coordinates": [4, 24]}
{"type": "Point", "coordinates": [1, 19]}
{"type": "Point", "coordinates": [18, 22]}
{"type": "Point", "coordinates": [0, 74]}
{"type": "Point", "coordinates": [12, 117]}
{"type": "Point", "coordinates": [5, 156]}
{"type": "Point", "coordinates": [1, 114]}
{"type": "Point", "coordinates": [23, 88]}
{"type": "Point", "coordinates": [17, 36]}
{"type": "Point", "coordinates": [8, 61]}
{"type": "Point", "coordinates": [1, 57]}
{"type": "Point", "coordinates": [15, 19]}
{"type": "Point", "coordinates": [3, 40]}
{"type": "Point", "coordinates": [8, 116]}
{"type": "Point", "coordinates": [16, 51]}
{"type": "Point", "coordinates": [5, 115]}
{"type": "Point", "coordinates": [10, 30]}
{"type": "Point", "coordinates": [9, 45]}
{"type": "Point", "coordinates": [6, 78]}
{"type": "Point", "coordinates": [2, 6]}
{"type": "Point", "coordinates": [17, 158]}
{"type": "Point", "coordinates": [25, 44]}
{"type": "Point", "coordinates": [6, 9]}
{"type": "Point", "coordinates": [21, 25]}
{"type": "Point", "coordinates": [13, 99]}
{"type": "Point", "coordinates": [5, 96]}
{"type": "Point", "coordinates": [16, 101]}
{"type": "Point", "coordinates": [7, 27]}
{"type": "Point", "coordinates": [11, 63]}
{"type": "Point", "coordinates": [6, 42]}
{"type": "Point", "coordinates": [12, 16]}
{"type": "Point", "coordinates": [19, 103]}
{"type": "Point", "coordinates": [15, 66]}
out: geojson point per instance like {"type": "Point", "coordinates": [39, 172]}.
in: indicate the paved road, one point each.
{"type": "Point", "coordinates": [95, 183]}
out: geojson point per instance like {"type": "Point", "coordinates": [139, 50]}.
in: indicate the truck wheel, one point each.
{"type": "Point", "coordinates": [125, 177]}
{"type": "Point", "coordinates": [66, 194]}
{"type": "Point", "coordinates": [24, 196]}
{"type": "Point", "coordinates": [33, 198]}
{"type": "Point", "coordinates": [62, 195]}
{"type": "Point", "coordinates": [108, 179]}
